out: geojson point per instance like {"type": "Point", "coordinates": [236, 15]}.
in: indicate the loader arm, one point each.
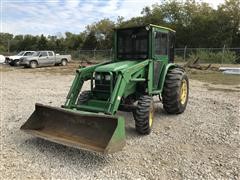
{"type": "Point", "coordinates": [82, 75]}
{"type": "Point", "coordinates": [124, 78]}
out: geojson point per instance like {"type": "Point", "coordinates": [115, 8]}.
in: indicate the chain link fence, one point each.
{"type": "Point", "coordinates": [208, 55]}
{"type": "Point", "coordinates": [90, 55]}
{"type": "Point", "coordinates": [205, 55]}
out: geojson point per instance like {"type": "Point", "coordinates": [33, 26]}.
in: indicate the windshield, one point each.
{"type": "Point", "coordinates": [21, 53]}
{"type": "Point", "coordinates": [132, 43]}
{"type": "Point", "coordinates": [36, 53]}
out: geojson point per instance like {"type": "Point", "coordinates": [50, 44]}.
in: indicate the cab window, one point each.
{"type": "Point", "coordinates": [161, 43]}
{"type": "Point", "coordinates": [50, 53]}
{"type": "Point", "coordinates": [28, 54]}
{"type": "Point", "coordinates": [43, 54]}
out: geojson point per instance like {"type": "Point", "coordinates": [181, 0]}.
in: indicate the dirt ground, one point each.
{"type": "Point", "coordinates": [201, 143]}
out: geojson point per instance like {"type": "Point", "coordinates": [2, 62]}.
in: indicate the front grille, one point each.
{"type": "Point", "coordinates": [102, 85]}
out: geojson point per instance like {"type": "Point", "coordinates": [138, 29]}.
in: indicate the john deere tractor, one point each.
{"type": "Point", "coordinates": [142, 68]}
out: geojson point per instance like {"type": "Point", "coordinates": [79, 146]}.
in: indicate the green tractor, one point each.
{"type": "Point", "coordinates": [142, 68]}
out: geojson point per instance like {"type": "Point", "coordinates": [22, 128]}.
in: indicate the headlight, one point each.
{"type": "Point", "coordinates": [107, 77]}
{"type": "Point", "coordinates": [97, 77]}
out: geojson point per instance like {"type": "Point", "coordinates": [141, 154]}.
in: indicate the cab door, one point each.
{"type": "Point", "coordinates": [43, 58]}
{"type": "Point", "coordinates": [51, 58]}
{"type": "Point", "coordinates": [160, 54]}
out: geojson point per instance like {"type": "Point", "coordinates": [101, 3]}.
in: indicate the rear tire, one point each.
{"type": "Point", "coordinates": [175, 91]}
{"type": "Point", "coordinates": [64, 62]}
{"type": "Point", "coordinates": [33, 64]}
{"type": "Point", "coordinates": [83, 97]}
{"type": "Point", "coordinates": [144, 114]}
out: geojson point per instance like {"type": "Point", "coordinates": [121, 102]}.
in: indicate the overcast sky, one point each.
{"type": "Point", "coordinates": [54, 16]}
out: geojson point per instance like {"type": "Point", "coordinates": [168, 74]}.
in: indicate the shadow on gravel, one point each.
{"type": "Point", "coordinates": [131, 132]}
{"type": "Point", "coordinates": [129, 124]}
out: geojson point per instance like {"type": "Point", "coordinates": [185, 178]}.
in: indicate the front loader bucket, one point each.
{"type": "Point", "coordinates": [82, 130]}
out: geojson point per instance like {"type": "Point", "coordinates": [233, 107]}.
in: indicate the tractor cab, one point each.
{"type": "Point", "coordinates": [145, 42]}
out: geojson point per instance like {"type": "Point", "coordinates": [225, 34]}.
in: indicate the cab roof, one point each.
{"type": "Point", "coordinates": [150, 25]}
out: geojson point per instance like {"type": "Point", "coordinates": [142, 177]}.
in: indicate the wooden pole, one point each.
{"type": "Point", "coordinates": [185, 51]}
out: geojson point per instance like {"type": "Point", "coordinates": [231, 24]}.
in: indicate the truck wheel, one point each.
{"type": "Point", "coordinates": [83, 97]}
{"type": "Point", "coordinates": [33, 64]}
{"type": "Point", "coordinates": [64, 62]}
{"type": "Point", "coordinates": [11, 63]}
{"type": "Point", "coordinates": [175, 91]}
{"type": "Point", "coordinates": [144, 114]}
{"type": "Point", "coordinates": [16, 62]}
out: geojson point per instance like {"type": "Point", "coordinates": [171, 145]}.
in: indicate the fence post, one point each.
{"type": "Point", "coordinates": [94, 53]}
{"type": "Point", "coordinates": [111, 54]}
{"type": "Point", "coordinates": [223, 51]}
{"type": "Point", "coordinates": [79, 54]}
{"type": "Point", "coordinates": [185, 51]}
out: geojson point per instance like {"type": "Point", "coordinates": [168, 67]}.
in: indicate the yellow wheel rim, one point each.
{"type": "Point", "coordinates": [183, 93]}
{"type": "Point", "coordinates": [151, 114]}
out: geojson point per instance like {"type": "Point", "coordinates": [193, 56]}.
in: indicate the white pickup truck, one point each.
{"type": "Point", "coordinates": [44, 58]}
{"type": "Point", "coordinates": [14, 60]}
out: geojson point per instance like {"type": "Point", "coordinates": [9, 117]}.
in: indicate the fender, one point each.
{"type": "Point", "coordinates": [164, 73]}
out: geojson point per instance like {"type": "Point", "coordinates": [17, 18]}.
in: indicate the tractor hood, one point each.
{"type": "Point", "coordinates": [116, 66]}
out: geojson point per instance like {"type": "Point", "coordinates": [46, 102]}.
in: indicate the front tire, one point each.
{"type": "Point", "coordinates": [144, 114]}
{"type": "Point", "coordinates": [175, 91]}
{"type": "Point", "coordinates": [11, 63]}
{"type": "Point", "coordinates": [83, 97]}
{"type": "Point", "coordinates": [16, 62]}
{"type": "Point", "coordinates": [33, 64]}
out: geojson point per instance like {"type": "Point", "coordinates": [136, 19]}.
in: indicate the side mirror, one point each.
{"type": "Point", "coordinates": [40, 55]}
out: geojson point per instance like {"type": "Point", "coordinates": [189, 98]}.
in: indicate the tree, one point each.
{"type": "Point", "coordinates": [90, 42]}
{"type": "Point", "coordinates": [42, 43]}
{"type": "Point", "coordinates": [103, 32]}
{"type": "Point", "coordinates": [5, 40]}
{"type": "Point", "coordinates": [230, 11]}
{"type": "Point", "coordinates": [73, 41]}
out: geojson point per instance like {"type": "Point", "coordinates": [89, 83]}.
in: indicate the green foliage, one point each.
{"type": "Point", "coordinates": [178, 58]}
{"type": "Point", "coordinates": [42, 43]}
{"type": "Point", "coordinates": [102, 34]}
{"type": "Point", "coordinates": [73, 41]}
{"type": "Point", "coordinates": [2, 48]}
{"type": "Point", "coordinates": [90, 42]}
{"type": "Point", "coordinates": [227, 57]}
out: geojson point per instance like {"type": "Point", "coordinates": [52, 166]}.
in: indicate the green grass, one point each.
{"type": "Point", "coordinates": [214, 77]}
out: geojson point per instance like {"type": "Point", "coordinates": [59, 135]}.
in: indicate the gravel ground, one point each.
{"type": "Point", "coordinates": [203, 142]}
